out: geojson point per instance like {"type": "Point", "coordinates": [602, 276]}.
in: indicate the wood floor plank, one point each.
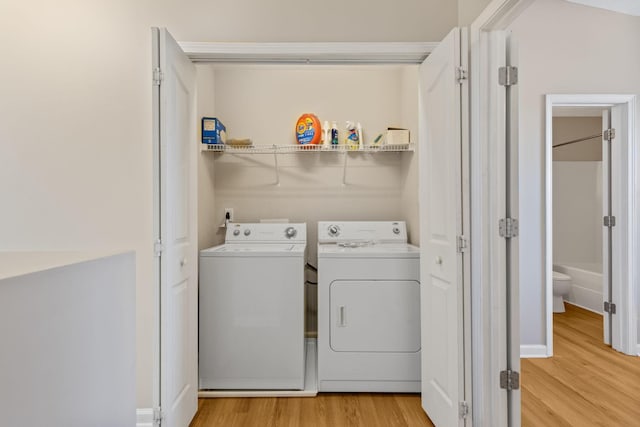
{"type": "Point", "coordinates": [585, 383]}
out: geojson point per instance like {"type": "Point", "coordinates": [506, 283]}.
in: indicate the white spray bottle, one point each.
{"type": "Point", "coordinates": [360, 139]}
{"type": "Point", "coordinates": [326, 134]}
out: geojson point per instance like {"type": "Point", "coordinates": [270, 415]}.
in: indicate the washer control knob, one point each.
{"type": "Point", "coordinates": [396, 230]}
{"type": "Point", "coordinates": [290, 232]}
{"type": "Point", "coordinates": [236, 232]}
{"type": "Point", "coordinates": [247, 232]}
{"type": "Point", "coordinates": [334, 230]}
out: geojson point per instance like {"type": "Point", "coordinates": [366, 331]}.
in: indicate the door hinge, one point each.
{"type": "Point", "coordinates": [158, 248]}
{"type": "Point", "coordinates": [463, 409]}
{"type": "Point", "coordinates": [508, 228]}
{"type": "Point", "coordinates": [507, 76]}
{"type": "Point", "coordinates": [461, 244]}
{"type": "Point", "coordinates": [158, 76]}
{"type": "Point", "coordinates": [609, 134]}
{"type": "Point", "coordinates": [158, 416]}
{"type": "Point", "coordinates": [461, 75]}
{"type": "Point", "coordinates": [609, 307]}
{"type": "Point", "coordinates": [609, 221]}
{"type": "Point", "coordinates": [509, 380]}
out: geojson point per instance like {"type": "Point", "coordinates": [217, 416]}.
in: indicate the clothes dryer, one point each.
{"type": "Point", "coordinates": [368, 308]}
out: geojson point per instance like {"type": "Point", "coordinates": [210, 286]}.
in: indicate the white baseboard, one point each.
{"type": "Point", "coordinates": [533, 351]}
{"type": "Point", "coordinates": [638, 350]}
{"type": "Point", "coordinates": [144, 417]}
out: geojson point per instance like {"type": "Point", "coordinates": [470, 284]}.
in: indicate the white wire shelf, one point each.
{"type": "Point", "coordinates": [271, 149]}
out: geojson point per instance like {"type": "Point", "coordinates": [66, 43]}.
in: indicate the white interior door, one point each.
{"type": "Point", "coordinates": [441, 270]}
{"type": "Point", "coordinates": [619, 323]}
{"type": "Point", "coordinates": [176, 109]}
{"type": "Point", "coordinates": [607, 237]}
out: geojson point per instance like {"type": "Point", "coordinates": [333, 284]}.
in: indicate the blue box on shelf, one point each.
{"type": "Point", "coordinates": [213, 131]}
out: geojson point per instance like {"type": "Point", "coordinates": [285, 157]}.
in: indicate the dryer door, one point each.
{"type": "Point", "coordinates": [375, 316]}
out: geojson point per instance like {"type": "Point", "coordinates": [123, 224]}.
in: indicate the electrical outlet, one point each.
{"type": "Point", "coordinates": [229, 212]}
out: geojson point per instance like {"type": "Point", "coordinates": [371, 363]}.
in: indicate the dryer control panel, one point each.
{"type": "Point", "coordinates": [362, 231]}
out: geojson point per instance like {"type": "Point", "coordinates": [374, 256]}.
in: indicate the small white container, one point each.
{"type": "Point", "coordinates": [397, 136]}
{"type": "Point", "coordinates": [326, 134]}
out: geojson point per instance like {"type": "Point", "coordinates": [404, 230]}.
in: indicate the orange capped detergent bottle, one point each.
{"type": "Point", "coordinates": [308, 129]}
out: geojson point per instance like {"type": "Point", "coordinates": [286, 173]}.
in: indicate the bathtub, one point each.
{"type": "Point", "coordinates": [586, 286]}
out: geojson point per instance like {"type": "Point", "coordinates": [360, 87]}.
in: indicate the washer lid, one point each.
{"type": "Point", "coordinates": [255, 250]}
{"type": "Point", "coordinates": [382, 250]}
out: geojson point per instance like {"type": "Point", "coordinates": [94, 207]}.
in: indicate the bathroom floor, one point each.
{"type": "Point", "coordinates": [585, 383]}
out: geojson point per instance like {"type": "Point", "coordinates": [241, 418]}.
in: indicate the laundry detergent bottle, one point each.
{"type": "Point", "coordinates": [308, 129]}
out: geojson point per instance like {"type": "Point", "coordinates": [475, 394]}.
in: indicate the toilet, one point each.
{"type": "Point", "coordinates": [561, 288]}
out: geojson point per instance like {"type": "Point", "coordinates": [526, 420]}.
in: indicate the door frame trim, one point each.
{"type": "Point", "coordinates": [629, 247]}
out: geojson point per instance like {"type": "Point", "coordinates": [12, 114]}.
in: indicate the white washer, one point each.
{"type": "Point", "coordinates": [252, 304]}
{"type": "Point", "coordinates": [368, 308]}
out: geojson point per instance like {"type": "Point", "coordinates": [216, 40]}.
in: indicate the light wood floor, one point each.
{"type": "Point", "coordinates": [585, 383]}
{"type": "Point", "coordinates": [327, 410]}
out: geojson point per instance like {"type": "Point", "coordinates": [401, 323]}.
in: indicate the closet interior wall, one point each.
{"type": "Point", "coordinates": [263, 102]}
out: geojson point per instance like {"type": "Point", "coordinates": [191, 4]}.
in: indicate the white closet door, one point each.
{"type": "Point", "coordinates": [176, 110]}
{"type": "Point", "coordinates": [441, 272]}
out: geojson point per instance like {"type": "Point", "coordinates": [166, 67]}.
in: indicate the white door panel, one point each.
{"type": "Point", "coordinates": [606, 249]}
{"type": "Point", "coordinates": [441, 222]}
{"type": "Point", "coordinates": [178, 262]}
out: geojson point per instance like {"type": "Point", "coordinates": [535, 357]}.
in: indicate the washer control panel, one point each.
{"type": "Point", "coordinates": [266, 233]}
{"type": "Point", "coordinates": [290, 232]}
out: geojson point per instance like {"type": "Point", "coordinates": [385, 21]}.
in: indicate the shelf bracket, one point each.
{"type": "Point", "coordinates": [344, 169]}
{"type": "Point", "coordinates": [275, 158]}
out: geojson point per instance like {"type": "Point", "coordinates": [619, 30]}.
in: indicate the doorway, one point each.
{"type": "Point", "coordinates": [609, 164]}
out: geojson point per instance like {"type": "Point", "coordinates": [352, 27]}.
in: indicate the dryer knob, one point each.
{"type": "Point", "coordinates": [247, 232]}
{"type": "Point", "coordinates": [396, 230]}
{"type": "Point", "coordinates": [334, 230]}
{"type": "Point", "coordinates": [290, 232]}
{"type": "Point", "coordinates": [236, 232]}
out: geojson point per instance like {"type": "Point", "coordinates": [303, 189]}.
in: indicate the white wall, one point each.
{"type": "Point", "coordinates": [68, 341]}
{"type": "Point", "coordinates": [409, 120]}
{"type": "Point", "coordinates": [75, 111]}
{"type": "Point", "coordinates": [292, 20]}
{"type": "Point", "coordinates": [468, 10]}
{"type": "Point", "coordinates": [561, 50]}
{"type": "Point", "coordinates": [207, 225]}
{"type": "Point", "coordinates": [567, 129]}
{"type": "Point", "coordinates": [577, 212]}
{"type": "Point", "coordinates": [75, 137]}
